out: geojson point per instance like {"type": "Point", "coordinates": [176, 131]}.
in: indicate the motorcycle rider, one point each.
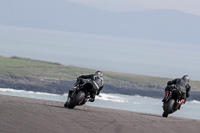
{"type": "Point", "coordinates": [181, 84]}
{"type": "Point", "coordinates": [96, 81]}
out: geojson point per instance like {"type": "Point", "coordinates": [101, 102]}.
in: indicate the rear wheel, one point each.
{"type": "Point", "coordinates": [168, 107]}
{"type": "Point", "coordinates": [76, 100]}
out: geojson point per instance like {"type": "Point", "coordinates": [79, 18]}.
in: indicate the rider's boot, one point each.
{"type": "Point", "coordinates": [92, 96]}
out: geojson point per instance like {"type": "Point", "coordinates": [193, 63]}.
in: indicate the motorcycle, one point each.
{"type": "Point", "coordinates": [172, 103]}
{"type": "Point", "coordinates": [79, 94]}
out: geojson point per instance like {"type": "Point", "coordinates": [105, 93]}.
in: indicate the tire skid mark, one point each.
{"type": "Point", "coordinates": [109, 121]}
{"type": "Point", "coordinates": [54, 114]}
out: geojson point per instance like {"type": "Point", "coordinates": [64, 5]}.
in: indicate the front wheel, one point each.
{"type": "Point", "coordinates": [65, 105]}
{"type": "Point", "coordinates": [76, 100]}
{"type": "Point", "coordinates": [168, 107]}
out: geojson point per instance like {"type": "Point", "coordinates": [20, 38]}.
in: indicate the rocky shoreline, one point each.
{"type": "Point", "coordinates": [60, 86]}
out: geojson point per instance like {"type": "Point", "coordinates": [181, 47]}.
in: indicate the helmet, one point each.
{"type": "Point", "coordinates": [99, 73]}
{"type": "Point", "coordinates": [186, 78]}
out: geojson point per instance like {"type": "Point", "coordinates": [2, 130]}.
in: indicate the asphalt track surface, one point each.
{"type": "Point", "coordinates": [26, 115]}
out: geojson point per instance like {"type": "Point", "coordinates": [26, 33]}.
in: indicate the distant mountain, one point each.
{"type": "Point", "coordinates": [161, 25]}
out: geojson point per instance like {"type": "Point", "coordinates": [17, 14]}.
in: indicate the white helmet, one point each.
{"type": "Point", "coordinates": [186, 78]}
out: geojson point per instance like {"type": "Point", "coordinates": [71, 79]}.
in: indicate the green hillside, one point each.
{"type": "Point", "coordinates": [23, 67]}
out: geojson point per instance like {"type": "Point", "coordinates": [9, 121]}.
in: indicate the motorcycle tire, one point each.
{"type": "Point", "coordinates": [76, 100]}
{"type": "Point", "coordinates": [168, 108]}
{"type": "Point", "coordinates": [65, 105]}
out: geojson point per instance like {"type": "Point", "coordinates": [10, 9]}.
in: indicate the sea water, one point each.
{"type": "Point", "coordinates": [117, 101]}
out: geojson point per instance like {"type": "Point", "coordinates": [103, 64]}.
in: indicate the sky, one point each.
{"type": "Point", "coordinates": [130, 55]}
{"type": "Point", "coordinates": [187, 6]}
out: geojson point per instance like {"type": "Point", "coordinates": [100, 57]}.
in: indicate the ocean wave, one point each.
{"type": "Point", "coordinates": [110, 97]}
{"type": "Point", "coordinates": [195, 101]}
{"type": "Point", "coordinates": [23, 91]}
{"type": "Point", "coordinates": [119, 98]}
{"type": "Point", "coordinates": [102, 96]}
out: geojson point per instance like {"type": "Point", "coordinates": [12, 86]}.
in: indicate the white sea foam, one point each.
{"type": "Point", "coordinates": [110, 97]}
{"type": "Point", "coordinates": [195, 101]}
{"type": "Point", "coordinates": [28, 92]}
{"type": "Point", "coordinates": [23, 93]}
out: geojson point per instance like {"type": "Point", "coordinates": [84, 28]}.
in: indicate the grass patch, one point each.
{"type": "Point", "coordinates": [24, 67]}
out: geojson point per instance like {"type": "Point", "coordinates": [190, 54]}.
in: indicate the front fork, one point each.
{"type": "Point", "coordinates": [73, 90]}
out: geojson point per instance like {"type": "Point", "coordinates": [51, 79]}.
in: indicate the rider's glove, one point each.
{"type": "Point", "coordinates": [169, 83]}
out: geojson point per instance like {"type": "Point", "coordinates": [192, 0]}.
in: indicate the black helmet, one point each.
{"type": "Point", "coordinates": [99, 73]}
{"type": "Point", "coordinates": [186, 78]}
